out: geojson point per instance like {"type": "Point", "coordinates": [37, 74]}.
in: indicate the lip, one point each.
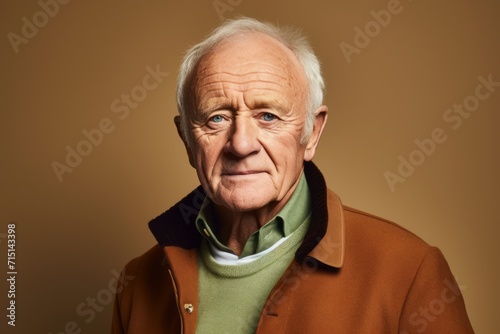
{"type": "Point", "coordinates": [241, 173]}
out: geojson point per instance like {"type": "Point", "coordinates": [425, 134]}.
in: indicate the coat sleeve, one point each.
{"type": "Point", "coordinates": [434, 303]}
{"type": "Point", "coordinates": [117, 322]}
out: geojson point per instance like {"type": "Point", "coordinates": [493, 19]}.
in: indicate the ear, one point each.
{"type": "Point", "coordinates": [177, 121]}
{"type": "Point", "coordinates": [321, 116]}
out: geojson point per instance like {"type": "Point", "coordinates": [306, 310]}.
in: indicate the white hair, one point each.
{"type": "Point", "coordinates": [292, 38]}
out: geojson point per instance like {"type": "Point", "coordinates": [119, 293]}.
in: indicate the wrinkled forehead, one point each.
{"type": "Point", "coordinates": [244, 53]}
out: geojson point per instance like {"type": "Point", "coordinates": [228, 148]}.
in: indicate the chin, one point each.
{"type": "Point", "coordinates": [243, 201]}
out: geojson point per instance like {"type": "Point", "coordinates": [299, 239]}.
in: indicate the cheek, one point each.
{"type": "Point", "coordinates": [207, 153]}
{"type": "Point", "coordinates": [285, 151]}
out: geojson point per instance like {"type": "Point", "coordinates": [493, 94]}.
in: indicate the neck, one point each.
{"type": "Point", "coordinates": [236, 227]}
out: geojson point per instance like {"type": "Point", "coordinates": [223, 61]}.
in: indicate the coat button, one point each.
{"type": "Point", "coordinates": [189, 308]}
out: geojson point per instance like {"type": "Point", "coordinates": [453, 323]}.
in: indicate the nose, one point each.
{"type": "Point", "coordinates": [243, 140]}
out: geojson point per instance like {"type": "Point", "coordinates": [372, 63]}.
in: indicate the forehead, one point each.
{"type": "Point", "coordinates": [251, 53]}
{"type": "Point", "coordinates": [253, 64]}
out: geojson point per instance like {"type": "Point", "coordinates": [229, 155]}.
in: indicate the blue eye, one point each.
{"type": "Point", "coordinates": [217, 118]}
{"type": "Point", "coordinates": [268, 117]}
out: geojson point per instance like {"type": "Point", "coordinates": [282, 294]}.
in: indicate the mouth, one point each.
{"type": "Point", "coordinates": [241, 173]}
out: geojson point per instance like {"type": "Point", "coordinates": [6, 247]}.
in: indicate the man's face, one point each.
{"type": "Point", "coordinates": [246, 126]}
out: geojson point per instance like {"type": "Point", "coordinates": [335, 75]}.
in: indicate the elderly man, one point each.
{"type": "Point", "coordinates": [263, 246]}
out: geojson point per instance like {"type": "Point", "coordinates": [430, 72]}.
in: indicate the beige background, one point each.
{"type": "Point", "coordinates": [73, 234]}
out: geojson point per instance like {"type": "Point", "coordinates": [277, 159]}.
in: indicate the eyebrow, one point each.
{"type": "Point", "coordinates": [270, 104]}
{"type": "Point", "coordinates": [257, 103]}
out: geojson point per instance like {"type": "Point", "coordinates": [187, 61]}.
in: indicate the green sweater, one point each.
{"type": "Point", "coordinates": [231, 296]}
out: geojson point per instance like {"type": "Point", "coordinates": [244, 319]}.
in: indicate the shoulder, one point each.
{"type": "Point", "coordinates": [142, 280]}
{"type": "Point", "coordinates": [381, 246]}
{"type": "Point", "coordinates": [147, 265]}
{"type": "Point", "coordinates": [143, 274]}
{"type": "Point", "coordinates": [378, 230]}
{"type": "Point", "coordinates": [380, 250]}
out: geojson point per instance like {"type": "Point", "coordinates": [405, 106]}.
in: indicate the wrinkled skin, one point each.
{"type": "Point", "coordinates": [245, 131]}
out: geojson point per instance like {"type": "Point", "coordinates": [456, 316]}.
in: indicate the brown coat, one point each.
{"type": "Point", "coordinates": [354, 273]}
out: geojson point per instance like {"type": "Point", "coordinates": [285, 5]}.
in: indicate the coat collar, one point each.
{"type": "Point", "coordinates": [323, 242]}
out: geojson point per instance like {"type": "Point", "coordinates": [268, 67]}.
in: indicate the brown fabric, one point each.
{"type": "Point", "coordinates": [362, 274]}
